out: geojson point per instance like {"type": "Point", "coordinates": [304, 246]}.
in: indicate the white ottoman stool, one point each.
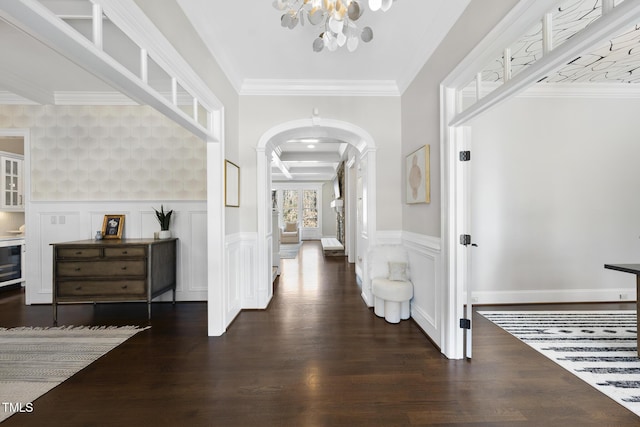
{"type": "Point", "coordinates": [391, 299]}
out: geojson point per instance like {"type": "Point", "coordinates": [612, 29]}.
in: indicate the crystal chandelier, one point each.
{"type": "Point", "coordinates": [337, 18]}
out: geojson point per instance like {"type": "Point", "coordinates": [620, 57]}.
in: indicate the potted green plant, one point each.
{"type": "Point", "coordinates": [164, 218]}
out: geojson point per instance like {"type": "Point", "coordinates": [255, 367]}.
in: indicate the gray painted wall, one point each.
{"type": "Point", "coordinates": [554, 196]}
{"type": "Point", "coordinates": [421, 104]}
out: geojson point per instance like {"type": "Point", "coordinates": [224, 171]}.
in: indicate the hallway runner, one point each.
{"type": "Point", "coordinates": [599, 347]}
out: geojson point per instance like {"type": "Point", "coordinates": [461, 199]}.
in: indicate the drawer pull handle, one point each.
{"type": "Point", "coordinates": [78, 269]}
{"type": "Point", "coordinates": [124, 268]}
{"type": "Point", "coordinates": [124, 252]}
{"type": "Point", "coordinates": [78, 252]}
{"type": "Point", "coordinates": [78, 288]}
{"type": "Point", "coordinates": [125, 287]}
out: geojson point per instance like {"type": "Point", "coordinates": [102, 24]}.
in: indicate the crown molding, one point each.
{"type": "Point", "coordinates": [566, 90]}
{"type": "Point", "coordinates": [283, 87]}
{"type": "Point", "coordinates": [8, 98]}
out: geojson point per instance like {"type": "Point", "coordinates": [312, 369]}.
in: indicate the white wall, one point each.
{"type": "Point", "coordinates": [554, 198]}
{"type": "Point", "coordinates": [380, 116]}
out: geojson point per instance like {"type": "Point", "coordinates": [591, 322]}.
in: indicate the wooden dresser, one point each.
{"type": "Point", "coordinates": [113, 270]}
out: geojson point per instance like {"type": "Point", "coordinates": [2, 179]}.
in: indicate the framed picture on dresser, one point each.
{"type": "Point", "coordinates": [112, 226]}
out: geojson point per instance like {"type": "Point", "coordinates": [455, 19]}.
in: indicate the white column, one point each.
{"type": "Point", "coordinates": [144, 65]}
{"type": "Point", "coordinates": [216, 235]}
{"type": "Point", "coordinates": [215, 240]}
{"type": "Point", "coordinates": [97, 25]}
{"type": "Point", "coordinates": [507, 65]}
{"type": "Point", "coordinates": [547, 33]}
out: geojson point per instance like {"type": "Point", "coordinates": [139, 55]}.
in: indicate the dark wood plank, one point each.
{"type": "Point", "coordinates": [316, 357]}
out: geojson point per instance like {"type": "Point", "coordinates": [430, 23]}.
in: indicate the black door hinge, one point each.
{"type": "Point", "coordinates": [465, 239]}
{"type": "Point", "coordinates": [465, 324]}
{"type": "Point", "coordinates": [465, 156]}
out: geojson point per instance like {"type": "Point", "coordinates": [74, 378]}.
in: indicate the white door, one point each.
{"type": "Point", "coordinates": [466, 243]}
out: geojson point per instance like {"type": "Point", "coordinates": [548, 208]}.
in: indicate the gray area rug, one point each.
{"type": "Point", "coordinates": [289, 250]}
{"type": "Point", "coordinates": [35, 360]}
{"type": "Point", "coordinates": [600, 347]}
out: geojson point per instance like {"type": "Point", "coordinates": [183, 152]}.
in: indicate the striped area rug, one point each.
{"type": "Point", "coordinates": [600, 347]}
{"type": "Point", "coordinates": [35, 360]}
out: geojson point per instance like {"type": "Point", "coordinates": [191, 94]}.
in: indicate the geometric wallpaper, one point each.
{"type": "Point", "coordinates": [115, 152]}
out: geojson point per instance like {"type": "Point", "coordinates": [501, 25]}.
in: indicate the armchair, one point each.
{"type": "Point", "coordinates": [290, 233]}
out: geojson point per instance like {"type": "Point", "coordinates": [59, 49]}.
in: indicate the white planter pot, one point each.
{"type": "Point", "coordinates": [164, 234]}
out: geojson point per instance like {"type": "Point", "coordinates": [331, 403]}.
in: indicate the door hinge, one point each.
{"type": "Point", "coordinates": [465, 324]}
{"type": "Point", "coordinates": [465, 239]}
{"type": "Point", "coordinates": [465, 156]}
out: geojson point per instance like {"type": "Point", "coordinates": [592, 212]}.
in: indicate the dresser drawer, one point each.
{"type": "Point", "coordinates": [102, 288]}
{"type": "Point", "coordinates": [106, 268]}
{"type": "Point", "coordinates": [125, 252]}
{"type": "Point", "coordinates": [78, 252]}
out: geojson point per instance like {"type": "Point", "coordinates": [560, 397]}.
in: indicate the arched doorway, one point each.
{"type": "Point", "coordinates": [364, 196]}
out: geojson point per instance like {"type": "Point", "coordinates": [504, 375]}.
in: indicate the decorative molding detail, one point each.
{"type": "Point", "coordinates": [281, 87]}
{"type": "Point", "coordinates": [566, 90]}
{"type": "Point", "coordinates": [421, 242]}
{"type": "Point", "coordinates": [242, 269]}
{"type": "Point", "coordinates": [8, 98]}
{"type": "Point", "coordinates": [553, 296]}
{"type": "Point", "coordinates": [425, 265]}
{"type": "Point", "coordinates": [426, 322]}
{"type": "Point", "coordinates": [624, 15]}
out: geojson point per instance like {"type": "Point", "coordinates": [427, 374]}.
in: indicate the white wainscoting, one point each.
{"type": "Point", "coordinates": [242, 269]}
{"type": "Point", "coordinates": [424, 261]}
{"type": "Point", "coordinates": [50, 222]}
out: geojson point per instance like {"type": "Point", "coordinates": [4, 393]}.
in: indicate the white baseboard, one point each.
{"type": "Point", "coordinates": [428, 324]}
{"type": "Point", "coordinates": [554, 296]}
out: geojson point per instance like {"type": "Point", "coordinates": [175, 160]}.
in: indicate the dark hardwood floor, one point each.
{"type": "Point", "coordinates": [316, 357]}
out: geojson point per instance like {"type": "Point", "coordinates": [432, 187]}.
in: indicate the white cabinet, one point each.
{"type": "Point", "coordinates": [11, 170]}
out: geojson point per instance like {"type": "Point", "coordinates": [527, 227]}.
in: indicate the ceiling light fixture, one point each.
{"type": "Point", "coordinates": [311, 146]}
{"type": "Point", "coordinates": [337, 17]}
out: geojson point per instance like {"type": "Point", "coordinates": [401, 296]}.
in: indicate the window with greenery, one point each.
{"type": "Point", "coordinates": [300, 203]}
{"type": "Point", "coordinates": [290, 206]}
{"type": "Point", "coordinates": [310, 208]}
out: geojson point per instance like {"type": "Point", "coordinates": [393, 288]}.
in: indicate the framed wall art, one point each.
{"type": "Point", "coordinates": [232, 184]}
{"type": "Point", "coordinates": [112, 226]}
{"type": "Point", "coordinates": [418, 180]}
